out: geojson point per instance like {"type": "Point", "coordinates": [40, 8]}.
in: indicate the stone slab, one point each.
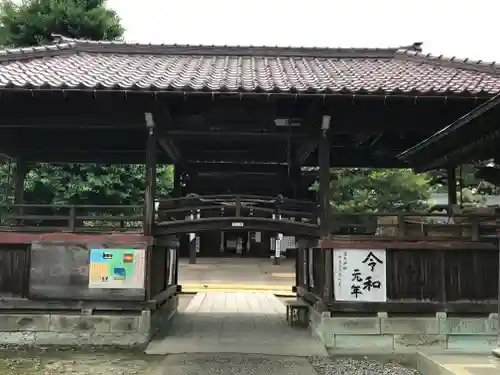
{"type": "Point", "coordinates": [409, 325]}
{"type": "Point", "coordinates": [472, 343]}
{"type": "Point", "coordinates": [415, 342]}
{"type": "Point", "coordinates": [365, 342]}
{"type": "Point", "coordinates": [24, 322]}
{"type": "Point", "coordinates": [62, 338]}
{"type": "Point", "coordinates": [79, 323]}
{"type": "Point", "coordinates": [124, 324]}
{"type": "Point", "coordinates": [353, 326]}
{"type": "Point", "coordinates": [25, 338]}
{"type": "Point", "coordinates": [119, 339]}
{"type": "Point", "coordinates": [462, 326]}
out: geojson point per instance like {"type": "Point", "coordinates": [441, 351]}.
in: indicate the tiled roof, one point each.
{"type": "Point", "coordinates": [72, 64]}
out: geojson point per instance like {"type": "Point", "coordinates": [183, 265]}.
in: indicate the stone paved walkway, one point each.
{"type": "Point", "coordinates": [251, 323]}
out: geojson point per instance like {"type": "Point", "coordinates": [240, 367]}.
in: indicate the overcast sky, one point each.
{"type": "Point", "coordinates": [450, 27]}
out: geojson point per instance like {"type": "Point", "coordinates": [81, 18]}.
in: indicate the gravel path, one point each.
{"type": "Point", "coordinates": [78, 363]}
{"type": "Point", "coordinates": [350, 366]}
{"type": "Point", "coordinates": [137, 363]}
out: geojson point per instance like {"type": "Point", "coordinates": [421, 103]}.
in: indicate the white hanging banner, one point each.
{"type": "Point", "coordinates": [311, 267]}
{"type": "Point", "coordinates": [360, 275]}
{"type": "Point", "coordinates": [258, 237]}
{"type": "Point", "coordinates": [171, 266]}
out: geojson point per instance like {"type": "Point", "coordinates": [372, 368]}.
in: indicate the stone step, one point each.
{"type": "Point", "coordinates": [457, 364]}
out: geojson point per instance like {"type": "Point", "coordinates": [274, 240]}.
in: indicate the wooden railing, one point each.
{"type": "Point", "coordinates": [236, 206]}
{"type": "Point", "coordinates": [102, 218]}
{"type": "Point", "coordinates": [71, 218]}
{"type": "Point", "coordinates": [412, 225]}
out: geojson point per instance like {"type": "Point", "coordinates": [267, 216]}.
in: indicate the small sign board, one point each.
{"type": "Point", "coordinates": [360, 275]}
{"type": "Point", "coordinates": [117, 268]}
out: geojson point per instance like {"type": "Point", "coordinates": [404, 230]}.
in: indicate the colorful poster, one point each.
{"type": "Point", "coordinates": [117, 268]}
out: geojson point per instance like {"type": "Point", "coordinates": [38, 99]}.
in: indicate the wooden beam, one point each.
{"type": "Point", "coordinates": [402, 306]}
{"type": "Point", "coordinates": [11, 237]}
{"type": "Point", "coordinates": [379, 242]}
{"type": "Point", "coordinates": [304, 151]}
{"type": "Point", "coordinates": [227, 135]}
{"type": "Point", "coordinates": [457, 125]}
{"type": "Point", "coordinates": [263, 168]}
{"type": "Point", "coordinates": [170, 149]}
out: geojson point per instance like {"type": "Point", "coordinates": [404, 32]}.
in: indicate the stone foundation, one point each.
{"type": "Point", "coordinates": [47, 329]}
{"type": "Point", "coordinates": [406, 334]}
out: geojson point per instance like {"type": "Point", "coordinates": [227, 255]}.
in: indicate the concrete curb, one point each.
{"type": "Point", "coordinates": [277, 293]}
{"type": "Point", "coordinates": [242, 287]}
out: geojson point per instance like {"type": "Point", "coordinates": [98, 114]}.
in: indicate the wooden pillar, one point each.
{"type": "Point", "coordinates": [149, 195]}
{"type": "Point", "coordinates": [150, 190]}
{"type": "Point", "coordinates": [324, 203]}
{"type": "Point", "coordinates": [177, 193]}
{"type": "Point", "coordinates": [19, 177]}
{"type": "Point", "coordinates": [20, 172]}
{"type": "Point", "coordinates": [194, 240]}
{"type": "Point", "coordinates": [192, 248]}
{"type": "Point", "coordinates": [452, 186]}
{"type": "Point", "coordinates": [324, 182]}
{"type": "Point", "coordinates": [498, 296]}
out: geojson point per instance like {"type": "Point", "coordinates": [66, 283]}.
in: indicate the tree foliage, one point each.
{"type": "Point", "coordinates": [33, 22]}
{"type": "Point", "coordinates": [87, 184]}
{"type": "Point", "coordinates": [381, 190]}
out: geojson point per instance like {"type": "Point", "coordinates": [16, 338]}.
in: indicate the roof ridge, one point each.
{"type": "Point", "coordinates": [445, 61]}
{"type": "Point", "coordinates": [35, 51]}
{"type": "Point", "coordinates": [120, 46]}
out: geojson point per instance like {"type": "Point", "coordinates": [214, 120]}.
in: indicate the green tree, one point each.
{"type": "Point", "coordinates": [475, 179]}
{"type": "Point", "coordinates": [32, 22]}
{"type": "Point", "coordinates": [380, 190]}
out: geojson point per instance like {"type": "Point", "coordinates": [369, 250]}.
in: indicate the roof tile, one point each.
{"type": "Point", "coordinates": [95, 65]}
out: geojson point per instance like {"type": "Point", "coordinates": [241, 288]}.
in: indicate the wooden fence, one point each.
{"type": "Point", "coordinates": [57, 277]}
{"type": "Point", "coordinates": [418, 281]}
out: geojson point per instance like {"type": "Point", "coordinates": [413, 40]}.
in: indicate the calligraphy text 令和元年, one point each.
{"type": "Point", "coordinates": [362, 284]}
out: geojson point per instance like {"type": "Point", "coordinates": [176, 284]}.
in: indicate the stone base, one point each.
{"type": "Point", "coordinates": [496, 352]}
{"type": "Point", "coordinates": [383, 333]}
{"type": "Point", "coordinates": [122, 330]}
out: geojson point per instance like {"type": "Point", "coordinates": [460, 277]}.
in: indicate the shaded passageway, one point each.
{"type": "Point", "coordinates": [218, 322]}
{"type": "Point", "coordinates": [235, 274]}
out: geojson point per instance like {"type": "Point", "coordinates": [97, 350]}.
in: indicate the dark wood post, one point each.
{"type": "Point", "coordinates": [149, 195]}
{"type": "Point", "coordinates": [324, 203]}
{"type": "Point", "coordinates": [72, 219]}
{"type": "Point", "coordinates": [20, 171]}
{"type": "Point", "coordinates": [452, 186]}
{"type": "Point", "coordinates": [192, 248]}
{"type": "Point", "coordinates": [498, 294]}
{"type": "Point", "coordinates": [176, 193]}
{"type": "Point", "coordinates": [150, 190]}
